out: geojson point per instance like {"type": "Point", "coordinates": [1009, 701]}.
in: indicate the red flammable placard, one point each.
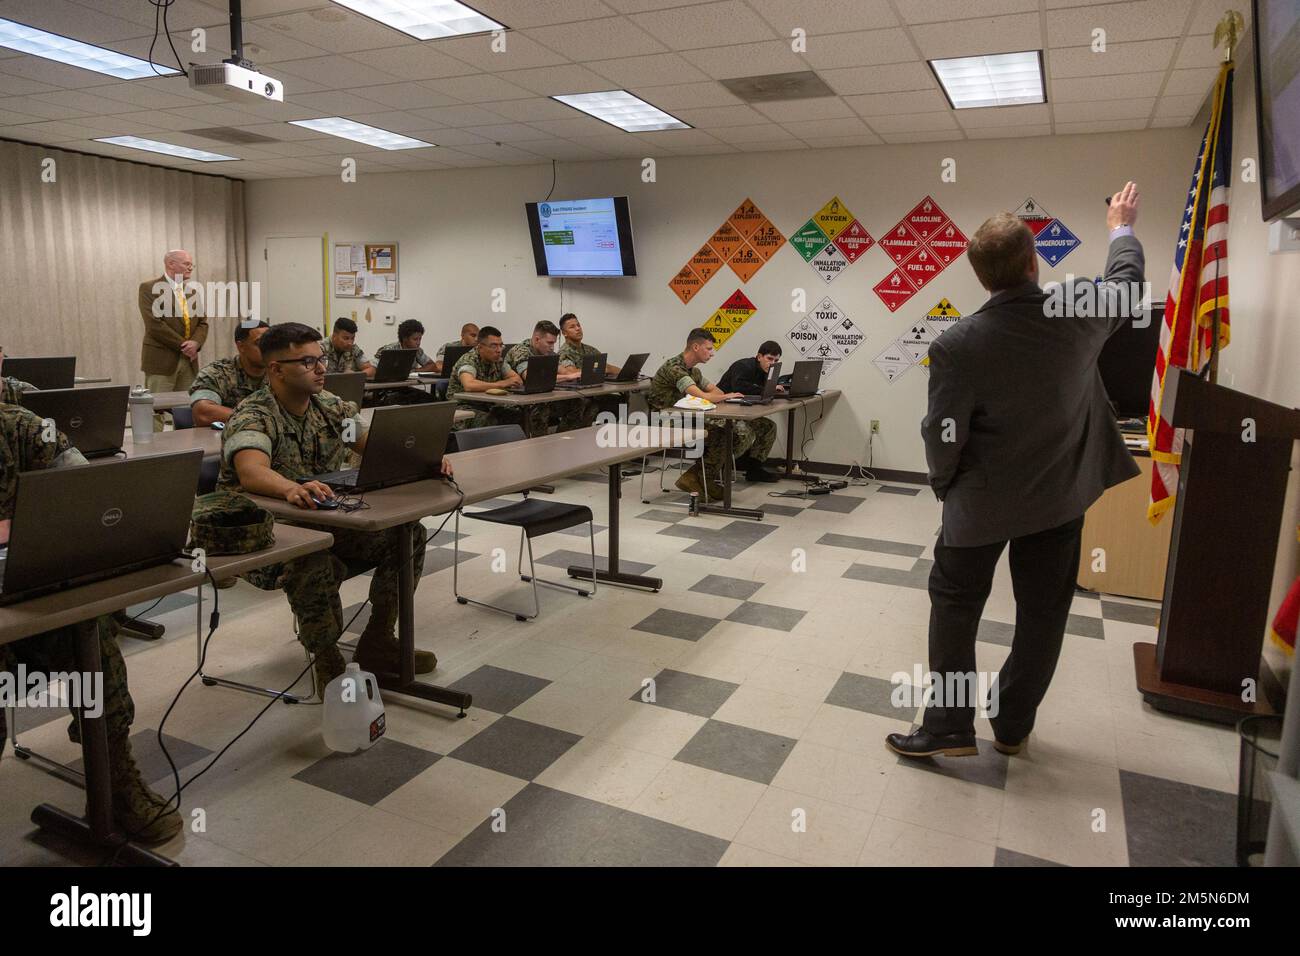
{"type": "Point", "coordinates": [900, 242]}
{"type": "Point", "coordinates": [949, 243]}
{"type": "Point", "coordinates": [854, 241]}
{"type": "Point", "coordinates": [926, 218]}
{"type": "Point", "coordinates": [922, 266]}
{"type": "Point", "coordinates": [894, 290]}
{"type": "Point", "coordinates": [923, 243]}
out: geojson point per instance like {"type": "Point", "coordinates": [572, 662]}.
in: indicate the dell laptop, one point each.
{"type": "Point", "coordinates": [94, 419]}
{"type": "Point", "coordinates": [76, 525]}
{"type": "Point", "coordinates": [631, 369]}
{"type": "Point", "coordinates": [807, 376]}
{"type": "Point", "coordinates": [541, 375]}
{"type": "Point", "coordinates": [405, 443]}
{"type": "Point", "coordinates": [349, 386]}
{"type": "Point", "coordinates": [593, 372]}
{"type": "Point", "coordinates": [769, 389]}
{"type": "Point", "coordinates": [55, 372]}
{"type": "Point", "coordinates": [395, 365]}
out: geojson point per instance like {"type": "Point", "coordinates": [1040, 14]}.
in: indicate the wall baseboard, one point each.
{"type": "Point", "coordinates": [835, 469]}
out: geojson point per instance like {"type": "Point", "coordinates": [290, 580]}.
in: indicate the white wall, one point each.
{"type": "Point", "coordinates": [462, 233]}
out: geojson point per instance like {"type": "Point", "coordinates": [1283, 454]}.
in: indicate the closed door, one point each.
{"type": "Point", "coordinates": [295, 282]}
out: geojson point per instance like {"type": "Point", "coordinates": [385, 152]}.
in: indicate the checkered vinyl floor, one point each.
{"type": "Point", "coordinates": [736, 718]}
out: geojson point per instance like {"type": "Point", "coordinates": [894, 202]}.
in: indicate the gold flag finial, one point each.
{"type": "Point", "coordinates": [1229, 30]}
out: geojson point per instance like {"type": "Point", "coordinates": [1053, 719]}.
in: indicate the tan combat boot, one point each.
{"type": "Point", "coordinates": [142, 815]}
{"type": "Point", "coordinates": [379, 654]}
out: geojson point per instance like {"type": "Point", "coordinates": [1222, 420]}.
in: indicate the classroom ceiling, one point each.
{"type": "Point", "coordinates": [485, 108]}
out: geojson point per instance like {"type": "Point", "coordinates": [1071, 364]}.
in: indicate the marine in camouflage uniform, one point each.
{"type": "Point", "coordinates": [753, 438]}
{"type": "Point", "coordinates": [347, 360]}
{"type": "Point", "coordinates": [421, 357]}
{"type": "Point", "coordinates": [538, 418]}
{"type": "Point", "coordinates": [484, 371]}
{"type": "Point", "coordinates": [224, 382]}
{"type": "Point", "coordinates": [137, 810]}
{"type": "Point", "coordinates": [300, 448]}
{"type": "Point", "coordinates": [571, 356]}
{"type": "Point", "coordinates": [11, 389]}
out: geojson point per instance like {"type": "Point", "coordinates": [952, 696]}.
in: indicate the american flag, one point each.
{"type": "Point", "coordinates": [1198, 286]}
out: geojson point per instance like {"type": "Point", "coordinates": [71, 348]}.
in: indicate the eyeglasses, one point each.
{"type": "Point", "coordinates": [308, 362]}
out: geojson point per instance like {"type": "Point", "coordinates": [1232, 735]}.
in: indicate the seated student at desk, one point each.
{"type": "Point", "coordinates": [342, 354]}
{"type": "Point", "coordinates": [749, 375]}
{"type": "Point", "coordinates": [573, 349]}
{"type": "Point", "coordinates": [223, 384]}
{"type": "Point", "coordinates": [680, 376]}
{"type": "Point", "coordinates": [289, 430]}
{"type": "Point", "coordinates": [567, 414]}
{"type": "Point", "coordinates": [137, 810]}
{"type": "Point", "coordinates": [468, 339]}
{"type": "Point", "coordinates": [480, 369]}
{"type": "Point", "coordinates": [409, 336]}
{"type": "Point", "coordinates": [12, 388]}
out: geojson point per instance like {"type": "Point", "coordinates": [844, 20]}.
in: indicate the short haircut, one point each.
{"type": "Point", "coordinates": [283, 336]}
{"type": "Point", "coordinates": [769, 348]}
{"type": "Point", "coordinates": [1002, 252]}
{"type": "Point", "coordinates": [243, 331]}
{"type": "Point", "coordinates": [488, 331]}
{"type": "Point", "coordinates": [546, 327]}
{"type": "Point", "coordinates": [345, 325]}
{"type": "Point", "coordinates": [467, 326]}
{"type": "Point", "coordinates": [699, 335]}
{"type": "Point", "coordinates": [408, 328]}
{"type": "Point", "coordinates": [566, 317]}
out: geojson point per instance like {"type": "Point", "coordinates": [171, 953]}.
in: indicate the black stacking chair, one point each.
{"type": "Point", "coordinates": [182, 416]}
{"type": "Point", "coordinates": [209, 471]}
{"type": "Point", "coordinates": [533, 518]}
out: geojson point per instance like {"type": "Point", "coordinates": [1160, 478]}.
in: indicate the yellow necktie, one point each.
{"type": "Point", "coordinates": [185, 309]}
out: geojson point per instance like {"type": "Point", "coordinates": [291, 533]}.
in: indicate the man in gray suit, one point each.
{"type": "Point", "coordinates": [1020, 441]}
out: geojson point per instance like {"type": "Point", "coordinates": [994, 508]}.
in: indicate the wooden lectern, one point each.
{"type": "Point", "coordinates": [1227, 520]}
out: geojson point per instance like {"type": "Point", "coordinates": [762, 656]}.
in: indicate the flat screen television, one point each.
{"type": "Point", "coordinates": [1128, 362]}
{"type": "Point", "coordinates": [582, 237]}
{"type": "Point", "coordinates": [1277, 104]}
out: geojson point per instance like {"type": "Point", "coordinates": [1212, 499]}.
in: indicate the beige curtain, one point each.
{"type": "Point", "coordinates": [74, 251]}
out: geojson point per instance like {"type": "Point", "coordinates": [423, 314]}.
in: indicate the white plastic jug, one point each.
{"type": "Point", "coordinates": [141, 405]}
{"type": "Point", "coordinates": [354, 711]}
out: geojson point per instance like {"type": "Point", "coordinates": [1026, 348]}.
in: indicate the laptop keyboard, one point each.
{"type": "Point", "coordinates": [339, 479]}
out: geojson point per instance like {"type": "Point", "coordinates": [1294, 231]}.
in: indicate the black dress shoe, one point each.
{"type": "Point", "coordinates": [759, 473]}
{"type": "Point", "coordinates": [1010, 749]}
{"type": "Point", "coordinates": [922, 743]}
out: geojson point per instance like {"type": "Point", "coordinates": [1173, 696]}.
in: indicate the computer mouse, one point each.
{"type": "Point", "coordinates": [496, 391]}
{"type": "Point", "coordinates": [218, 426]}
{"type": "Point", "coordinates": [325, 504]}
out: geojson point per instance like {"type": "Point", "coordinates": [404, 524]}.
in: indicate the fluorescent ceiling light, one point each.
{"type": "Point", "coordinates": [51, 46]}
{"type": "Point", "coordinates": [424, 19]}
{"type": "Point", "coordinates": [620, 108]}
{"type": "Point", "coordinates": [153, 146]}
{"type": "Point", "coordinates": [1003, 79]}
{"type": "Point", "coordinates": [361, 133]}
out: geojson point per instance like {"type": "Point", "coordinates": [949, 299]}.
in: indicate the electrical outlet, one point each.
{"type": "Point", "coordinates": [875, 426]}
{"type": "Point", "coordinates": [389, 320]}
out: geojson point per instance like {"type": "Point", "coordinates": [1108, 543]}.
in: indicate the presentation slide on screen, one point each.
{"type": "Point", "coordinates": [580, 237]}
{"type": "Point", "coordinates": [1281, 66]}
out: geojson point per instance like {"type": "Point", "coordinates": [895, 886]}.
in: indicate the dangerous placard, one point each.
{"type": "Point", "coordinates": [720, 326]}
{"type": "Point", "coordinates": [942, 317]}
{"type": "Point", "coordinates": [705, 263]}
{"type": "Point", "coordinates": [916, 341]}
{"type": "Point", "coordinates": [804, 336]}
{"type": "Point", "coordinates": [1055, 242]}
{"type": "Point", "coordinates": [766, 239]}
{"type": "Point", "coordinates": [894, 290]}
{"type": "Point", "coordinates": [833, 218]}
{"type": "Point", "coordinates": [745, 262]}
{"type": "Point", "coordinates": [854, 241]}
{"type": "Point", "coordinates": [740, 301]}
{"type": "Point", "coordinates": [892, 362]}
{"type": "Point", "coordinates": [949, 243]}
{"type": "Point", "coordinates": [1034, 215]}
{"type": "Point", "coordinates": [685, 284]}
{"type": "Point", "coordinates": [926, 218]}
{"type": "Point", "coordinates": [922, 266]}
{"type": "Point", "coordinates": [809, 240]}
{"type": "Point", "coordinates": [746, 219]}
{"type": "Point", "coordinates": [834, 326]}
{"type": "Point", "coordinates": [900, 242]}
{"type": "Point", "coordinates": [830, 262]}
{"type": "Point", "coordinates": [725, 241]}
{"type": "Point", "coordinates": [730, 316]}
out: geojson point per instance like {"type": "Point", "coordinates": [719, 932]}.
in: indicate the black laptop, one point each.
{"type": "Point", "coordinates": [94, 419]}
{"type": "Point", "coordinates": [395, 365]}
{"type": "Point", "coordinates": [630, 369]}
{"type": "Point", "coordinates": [405, 443]}
{"type": "Point", "coordinates": [349, 386]}
{"type": "Point", "coordinates": [593, 372]}
{"type": "Point", "coordinates": [76, 525]}
{"type": "Point", "coordinates": [807, 376]}
{"type": "Point", "coordinates": [769, 389]}
{"type": "Point", "coordinates": [451, 355]}
{"type": "Point", "coordinates": [541, 375]}
{"type": "Point", "coordinates": [59, 371]}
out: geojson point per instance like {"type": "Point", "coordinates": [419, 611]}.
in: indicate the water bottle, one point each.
{"type": "Point", "coordinates": [141, 405]}
{"type": "Point", "coordinates": [354, 712]}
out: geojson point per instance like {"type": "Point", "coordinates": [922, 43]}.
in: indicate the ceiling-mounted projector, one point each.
{"type": "Point", "coordinates": [235, 78]}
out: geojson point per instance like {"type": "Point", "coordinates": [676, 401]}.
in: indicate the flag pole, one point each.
{"type": "Point", "coordinates": [1229, 29]}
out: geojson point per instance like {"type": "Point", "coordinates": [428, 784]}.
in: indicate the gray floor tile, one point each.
{"type": "Point", "coordinates": [446, 538]}
{"type": "Point", "coordinates": [720, 586]}
{"type": "Point", "coordinates": [899, 490]}
{"type": "Point", "coordinates": [562, 559]}
{"type": "Point", "coordinates": [172, 602]}
{"type": "Point", "coordinates": [1130, 613]}
{"type": "Point", "coordinates": [767, 615]}
{"type": "Point", "coordinates": [1084, 626]}
{"type": "Point", "coordinates": [1087, 594]}
{"type": "Point", "coordinates": [637, 840]}
{"type": "Point", "coordinates": [662, 514]}
{"type": "Point", "coordinates": [689, 693]}
{"type": "Point", "coordinates": [679, 624]}
{"type": "Point", "coordinates": [784, 511]}
{"type": "Point", "coordinates": [871, 695]}
{"type": "Point", "coordinates": [499, 690]}
{"type": "Point", "coordinates": [918, 577]}
{"type": "Point", "coordinates": [683, 530]}
{"type": "Point", "coordinates": [153, 764]}
{"type": "Point", "coordinates": [492, 503]}
{"type": "Point", "coordinates": [580, 530]}
{"type": "Point", "coordinates": [1177, 824]}
{"type": "Point", "coordinates": [370, 775]}
{"type": "Point", "coordinates": [440, 559]}
{"type": "Point", "coordinates": [740, 751]}
{"type": "Point", "coordinates": [840, 504]}
{"type": "Point", "coordinates": [996, 632]}
{"type": "Point", "coordinates": [516, 747]}
{"type": "Point", "coordinates": [1005, 857]}
{"type": "Point", "coordinates": [872, 544]}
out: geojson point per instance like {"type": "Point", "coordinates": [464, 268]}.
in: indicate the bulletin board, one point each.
{"type": "Point", "coordinates": [365, 270]}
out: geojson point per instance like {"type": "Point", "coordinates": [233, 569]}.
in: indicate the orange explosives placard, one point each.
{"type": "Point", "coordinates": [745, 262]}
{"type": "Point", "coordinates": [766, 239]}
{"type": "Point", "coordinates": [725, 241]}
{"type": "Point", "coordinates": [746, 218]}
{"type": "Point", "coordinates": [685, 284]}
{"type": "Point", "coordinates": [705, 263]}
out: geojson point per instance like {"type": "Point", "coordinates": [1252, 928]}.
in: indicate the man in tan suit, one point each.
{"type": "Point", "coordinates": [173, 331]}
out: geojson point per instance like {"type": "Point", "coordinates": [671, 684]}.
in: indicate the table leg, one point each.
{"type": "Point", "coordinates": [97, 826]}
{"type": "Point", "coordinates": [405, 682]}
{"type": "Point", "coordinates": [728, 477]}
{"type": "Point", "coordinates": [613, 575]}
{"type": "Point", "coordinates": [789, 443]}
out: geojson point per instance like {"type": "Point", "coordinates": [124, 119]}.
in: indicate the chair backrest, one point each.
{"type": "Point", "coordinates": [182, 416]}
{"type": "Point", "coordinates": [209, 469]}
{"type": "Point", "coordinates": [487, 436]}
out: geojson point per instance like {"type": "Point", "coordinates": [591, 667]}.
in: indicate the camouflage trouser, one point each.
{"type": "Point", "coordinates": [579, 413]}
{"type": "Point", "coordinates": [312, 582]}
{"type": "Point", "coordinates": [753, 439]}
{"type": "Point", "coordinates": [56, 651]}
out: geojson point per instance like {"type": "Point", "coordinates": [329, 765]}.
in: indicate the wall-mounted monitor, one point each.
{"type": "Point", "coordinates": [582, 237]}
{"type": "Point", "coordinates": [1277, 104]}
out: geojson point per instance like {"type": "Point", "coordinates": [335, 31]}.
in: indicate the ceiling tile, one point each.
{"type": "Point", "coordinates": [1101, 126]}
{"type": "Point", "coordinates": [866, 48]}
{"type": "Point", "coordinates": [561, 149]}
{"type": "Point", "coordinates": [11, 85]}
{"type": "Point", "coordinates": [454, 137]}
{"type": "Point", "coordinates": [747, 59]}
{"type": "Point", "coordinates": [1184, 82]}
{"type": "Point", "coordinates": [597, 39]}
{"type": "Point", "coordinates": [520, 53]}
{"type": "Point", "coordinates": [1180, 105]}
{"type": "Point", "coordinates": [1105, 110]}
{"type": "Point", "coordinates": [775, 146]}
{"type": "Point", "coordinates": [641, 6]}
{"type": "Point", "coordinates": [520, 14]}
{"type": "Point", "coordinates": [715, 117]}
{"type": "Point", "coordinates": [10, 118]}
{"type": "Point", "coordinates": [334, 29]}
{"type": "Point", "coordinates": [936, 11]}
{"type": "Point", "coordinates": [687, 95]}
{"type": "Point", "coordinates": [508, 132]}
{"type": "Point", "coordinates": [334, 73]}
{"type": "Point", "coordinates": [478, 88]}
{"type": "Point", "coordinates": [554, 80]}
{"type": "Point", "coordinates": [412, 63]}
{"type": "Point", "coordinates": [1123, 22]}
{"type": "Point", "coordinates": [143, 94]}
{"type": "Point", "coordinates": [839, 142]}
{"type": "Point", "coordinates": [1143, 56]}
{"type": "Point", "coordinates": [573, 126]}
{"type": "Point", "coordinates": [758, 133]}
{"type": "Point", "coordinates": [395, 121]}
{"type": "Point", "coordinates": [816, 17]}
{"type": "Point", "coordinates": [1196, 51]}
{"type": "Point", "coordinates": [1123, 86]}
{"type": "Point", "coordinates": [1172, 122]}
{"type": "Point", "coordinates": [502, 155]}
{"type": "Point", "coordinates": [921, 136]}
{"type": "Point", "coordinates": [43, 108]}
{"type": "Point", "coordinates": [818, 108]}
{"type": "Point", "coordinates": [530, 110]}
{"type": "Point", "coordinates": [890, 104]}
{"type": "Point", "coordinates": [58, 75]}
{"type": "Point", "coordinates": [715, 150]}
{"type": "Point", "coordinates": [54, 131]}
{"type": "Point", "coordinates": [913, 122]}
{"type": "Point", "coordinates": [336, 103]}
{"type": "Point", "coordinates": [1029, 114]}
{"type": "Point", "coordinates": [181, 16]}
{"type": "Point", "coordinates": [1007, 34]}
{"type": "Point", "coordinates": [1009, 132]}
{"type": "Point", "coordinates": [893, 77]}
{"type": "Point", "coordinates": [613, 143]}
{"type": "Point", "coordinates": [406, 96]}
{"type": "Point", "coordinates": [72, 20]}
{"type": "Point", "coordinates": [672, 138]}
{"type": "Point", "coordinates": [654, 70]}
{"type": "Point", "coordinates": [844, 126]}
{"type": "Point", "coordinates": [705, 25]}
{"type": "Point", "coordinates": [459, 115]}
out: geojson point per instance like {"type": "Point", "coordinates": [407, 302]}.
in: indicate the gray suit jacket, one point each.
{"type": "Point", "coordinates": [1032, 440]}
